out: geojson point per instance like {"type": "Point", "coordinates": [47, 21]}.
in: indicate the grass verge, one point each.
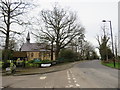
{"type": "Point", "coordinates": [111, 64]}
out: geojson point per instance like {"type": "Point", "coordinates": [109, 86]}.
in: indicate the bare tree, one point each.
{"type": "Point", "coordinates": [61, 27]}
{"type": "Point", "coordinates": [10, 12]}
{"type": "Point", "coordinates": [81, 43]}
{"type": "Point", "coordinates": [104, 47]}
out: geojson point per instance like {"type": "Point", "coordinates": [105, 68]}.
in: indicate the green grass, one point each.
{"type": "Point", "coordinates": [111, 64]}
{"type": "Point", "coordinates": [1, 63]}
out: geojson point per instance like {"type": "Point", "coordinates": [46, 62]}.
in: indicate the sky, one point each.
{"type": "Point", "coordinates": [90, 13]}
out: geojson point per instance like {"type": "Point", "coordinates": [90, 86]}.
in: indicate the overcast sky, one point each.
{"type": "Point", "coordinates": [89, 12]}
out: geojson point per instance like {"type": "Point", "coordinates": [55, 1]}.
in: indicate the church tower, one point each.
{"type": "Point", "coordinates": [28, 38]}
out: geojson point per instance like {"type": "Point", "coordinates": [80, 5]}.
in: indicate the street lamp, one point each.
{"type": "Point", "coordinates": [111, 40]}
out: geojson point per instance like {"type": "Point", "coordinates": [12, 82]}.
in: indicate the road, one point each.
{"type": "Point", "coordinates": [88, 74]}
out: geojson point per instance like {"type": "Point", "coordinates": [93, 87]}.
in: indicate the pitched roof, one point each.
{"type": "Point", "coordinates": [34, 47]}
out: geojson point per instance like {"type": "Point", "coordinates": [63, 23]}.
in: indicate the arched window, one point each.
{"type": "Point", "coordinates": [32, 54]}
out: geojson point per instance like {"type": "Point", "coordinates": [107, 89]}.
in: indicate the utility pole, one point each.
{"type": "Point", "coordinates": [116, 50]}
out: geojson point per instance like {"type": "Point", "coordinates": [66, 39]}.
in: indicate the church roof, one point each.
{"type": "Point", "coordinates": [34, 47]}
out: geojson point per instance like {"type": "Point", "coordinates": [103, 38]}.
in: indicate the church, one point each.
{"type": "Point", "coordinates": [34, 51]}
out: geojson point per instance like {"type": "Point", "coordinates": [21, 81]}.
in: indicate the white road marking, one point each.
{"type": "Point", "coordinates": [74, 78]}
{"type": "Point", "coordinates": [66, 86]}
{"type": "Point", "coordinates": [69, 73]}
{"type": "Point", "coordinates": [44, 77]}
{"type": "Point", "coordinates": [48, 87]}
{"type": "Point", "coordinates": [77, 85]}
{"type": "Point", "coordinates": [70, 85]}
{"type": "Point", "coordinates": [69, 78]}
{"type": "Point", "coordinates": [75, 81]}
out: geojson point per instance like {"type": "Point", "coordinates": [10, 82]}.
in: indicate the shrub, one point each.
{"type": "Point", "coordinates": [31, 61]}
{"type": "Point", "coordinates": [46, 61]}
{"type": "Point", "coordinates": [67, 55]}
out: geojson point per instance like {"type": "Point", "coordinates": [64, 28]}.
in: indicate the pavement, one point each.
{"type": "Point", "coordinates": [88, 74]}
{"type": "Point", "coordinates": [33, 70]}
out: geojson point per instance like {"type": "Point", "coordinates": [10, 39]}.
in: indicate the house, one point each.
{"type": "Point", "coordinates": [18, 54]}
{"type": "Point", "coordinates": [36, 50]}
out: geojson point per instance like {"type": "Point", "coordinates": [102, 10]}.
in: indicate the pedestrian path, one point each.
{"type": "Point", "coordinates": [32, 71]}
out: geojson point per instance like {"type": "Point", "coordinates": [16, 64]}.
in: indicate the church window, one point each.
{"type": "Point", "coordinates": [32, 54]}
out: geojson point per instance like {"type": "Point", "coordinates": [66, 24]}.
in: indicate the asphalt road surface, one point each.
{"type": "Point", "coordinates": [88, 74]}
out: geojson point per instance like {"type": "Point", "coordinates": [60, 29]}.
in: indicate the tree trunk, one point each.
{"type": "Point", "coordinates": [6, 52]}
{"type": "Point", "coordinates": [52, 50]}
{"type": "Point", "coordinates": [57, 53]}
{"type": "Point", "coordinates": [7, 37]}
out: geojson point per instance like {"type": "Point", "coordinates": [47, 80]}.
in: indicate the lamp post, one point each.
{"type": "Point", "coordinates": [111, 40]}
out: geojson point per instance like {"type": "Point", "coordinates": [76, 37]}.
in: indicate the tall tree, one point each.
{"type": "Point", "coordinates": [104, 48]}
{"type": "Point", "coordinates": [10, 12]}
{"type": "Point", "coordinates": [87, 50]}
{"type": "Point", "coordinates": [61, 27]}
{"type": "Point", "coordinates": [81, 43]}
